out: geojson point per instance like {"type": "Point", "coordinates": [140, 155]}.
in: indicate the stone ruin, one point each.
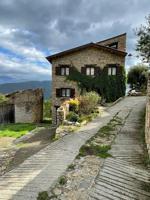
{"type": "Point", "coordinates": [28, 105]}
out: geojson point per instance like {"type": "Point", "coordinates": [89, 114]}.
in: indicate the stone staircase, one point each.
{"type": "Point", "coordinates": [124, 176]}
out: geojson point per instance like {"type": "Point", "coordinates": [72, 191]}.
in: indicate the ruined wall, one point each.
{"type": "Point", "coordinates": [28, 105]}
{"type": "Point", "coordinates": [147, 119]}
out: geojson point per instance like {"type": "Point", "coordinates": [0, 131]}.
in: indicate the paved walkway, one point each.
{"type": "Point", "coordinates": [41, 170]}
{"type": "Point", "coordinates": [124, 176]}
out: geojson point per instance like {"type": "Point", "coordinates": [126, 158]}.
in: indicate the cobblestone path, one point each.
{"type": "Point", "coordinates": [124, 176]}
{"type": "Point", "coordinates": [41, 170]}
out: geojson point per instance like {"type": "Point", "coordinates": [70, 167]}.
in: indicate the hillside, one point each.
{"type": "Point", "coordinates": [11, 87]}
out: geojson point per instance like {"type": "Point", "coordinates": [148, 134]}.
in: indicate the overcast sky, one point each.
{"type": "Point", "coordinates": [33, 29]}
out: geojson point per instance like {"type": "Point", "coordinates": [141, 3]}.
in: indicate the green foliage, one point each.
{"type": "Point", "coordinates": [72, 117]}
{"type": "Point", "coordinates": [108, 87]}
{"type": "Point", "coordinates": [43, 196]}
{"type": "Point", "coordinates": [2, 98]}
{"type": "Point", "coordinates": [62, 180]}
{"type": "Point", "coordinates": [47, 111]}
{"type": "Point", "coordinates": [71, 167]}
{"type": "Point", "coordinates": [105, 130]}
{"type": "Point", "coordinates": [88, 102]}
{"type": "Point", "coordinates": [143, 43]}
{"type": "Point", "coordinates": [137, 76]}
{"type": "Point", "coordinates": [97, 150]}
{"type": "Point", "coordinates": [15, 130]}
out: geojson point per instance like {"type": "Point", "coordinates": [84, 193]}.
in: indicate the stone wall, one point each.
{"type": "Point", "coordinates": [28, 105]}
{"type": "Point", "coordinates": [121, 40]}
{"type": "Point", "coordinates": [147, 118]}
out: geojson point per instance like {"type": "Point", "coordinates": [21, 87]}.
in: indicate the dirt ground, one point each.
{"type": "Point", "coordinates": [23, 150]}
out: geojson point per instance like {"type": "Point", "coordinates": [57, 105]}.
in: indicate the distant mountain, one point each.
{"type": "Point", "coordinates": [12, 87]}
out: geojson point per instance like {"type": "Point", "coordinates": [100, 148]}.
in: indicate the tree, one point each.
{"type": "Point", "coordinates": [137, 76]}
{"type": "Point", "coordinates": [143, 43]}
{"type": "Point", "coordinates": [47, 111]}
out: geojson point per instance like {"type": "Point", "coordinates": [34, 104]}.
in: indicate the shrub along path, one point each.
{"type": "Point", "coordinates": [41, 170]}
{"type": "Point", "coordinates": [124, 176]}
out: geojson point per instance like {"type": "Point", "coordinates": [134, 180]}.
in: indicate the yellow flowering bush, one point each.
{"type": "Point", "coordinates": [74, 105]}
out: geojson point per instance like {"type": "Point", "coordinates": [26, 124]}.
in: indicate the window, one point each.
{"type": "Point", "coordinates": [64, 70]}
{"type": "Point", "coordinates": [112, 71]}
{"type": "Point", "coordinates": [113, 45]}
{"type": "Point", "coordinates": [65, 92]}
{"type": "Point", "coordinates": [90, 71]}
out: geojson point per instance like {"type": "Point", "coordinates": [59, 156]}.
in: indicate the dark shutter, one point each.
{"type": "Point", "coordinates": [58, 92]}
{"type": "Point", "coordinates": [58, 70]}
{"type": "Point", "coordinates": [83, 70]}
{"type": "Point", "coordinates": [97, 71]}
{"type": "Point", "coordinates": [119, 69]}
{"type": "Point", "coordinates": [72, 93]}
{"type": "Point", "coordinates": [105, 69]}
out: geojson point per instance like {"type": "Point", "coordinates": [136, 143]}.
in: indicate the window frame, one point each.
{"type": "Point", "coordinates": [66, 90]}
{"type": "Point", "coordinates": [90, 68]}
{"type": "Point", "coordinates": [65, 69]}
{"type": "Point", "coordinates": [111, 71]}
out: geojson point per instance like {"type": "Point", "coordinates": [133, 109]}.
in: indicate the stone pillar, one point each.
{"type": "Point", "coordinates": [60, 115]}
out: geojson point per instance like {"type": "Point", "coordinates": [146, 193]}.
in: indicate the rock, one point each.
{"type": "Point", "coordinates": [77, 124]}
{"type": "Point", "coordinates": [57, 191]}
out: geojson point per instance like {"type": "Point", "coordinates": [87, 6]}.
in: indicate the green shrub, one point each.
{"type": "Point", "coordinates": [43, 196]}
{"type": "Point", "coordinates": [2, 98]}
{"type": "Point", "coordinates": [47, 111]}
{"type": "Point", "coordinates": [62, 180]}
{"type": "Point", "coordinates": [97, 150]}
{"type": "Point", "coordinates": [137, 76]}
{"type": "Point", "coordinates": [72, 117]}
{"type": "Point", "coordinates": [88, 102]}
{"type": "Point", "coordinates": [73, 105]}
{"type": "Point", "coordinates": [71, 167]}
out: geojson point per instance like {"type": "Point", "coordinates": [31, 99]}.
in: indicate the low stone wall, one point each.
{"type": "Point", "coordinates": [147, 118]}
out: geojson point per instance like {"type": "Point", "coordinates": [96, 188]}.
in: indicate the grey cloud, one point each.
{"type": "Point", "coordinates": [62, 24]}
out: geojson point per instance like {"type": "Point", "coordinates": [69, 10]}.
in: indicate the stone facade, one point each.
{"type": "Point", "coordinates": [89, 55]}
{"type": "Point", "coordinates": [28, 105]}
{"type": "Point", "coordinates": [147, 118]}
{"type": "Point", "coordinates": [120, 41]}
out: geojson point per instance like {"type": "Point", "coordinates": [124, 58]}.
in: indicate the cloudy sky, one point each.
{"type": "Point", "coordinates": [33, 29]}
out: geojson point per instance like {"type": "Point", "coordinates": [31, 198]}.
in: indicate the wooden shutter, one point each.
{"type": "Point", "coordinates": [58, 70]}
{"type": "Point", "coordinates": [105, 69]}
{"type": "Point", "coordinates": [58, 92]}
{"type": "Point", "coordinates": [72, 93]}
{"type": "Point", "coordinates": [119, 69]}
{"type": "Point", "coordinates": [97, 71]}
{"type": "Point", "coordinates": [83, 70]}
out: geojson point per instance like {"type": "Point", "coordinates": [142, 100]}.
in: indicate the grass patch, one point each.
{"type": "Point", "coordinates": [62, 180]}
{"type": "Point", "coordinates": [97, 150]}
{"type": "Point", "coordinates": [15, 130]}
{"type": "Point", "coordinates": [105, 130]}
{"type": "Point", "coordinates": [43, 196]}
{"type": "Point", "coordinates": [146, 187]}
{"type": "Point", "coordinates": [71, 167]}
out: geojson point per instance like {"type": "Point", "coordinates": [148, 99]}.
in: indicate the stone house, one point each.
{"type": "Point", "coordinates": [28, 105]}
{"type": "Point", "coordinates": [87, 59]}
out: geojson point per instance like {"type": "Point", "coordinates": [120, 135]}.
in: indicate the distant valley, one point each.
{"type": "Point", "coordinates": [12, 87]}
